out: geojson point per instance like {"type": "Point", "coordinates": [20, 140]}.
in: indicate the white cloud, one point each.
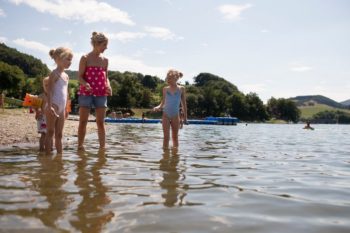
{"type": "Point", "coordinates": [45, 29]}
{"type": "Point", "coordinates": [32, 45]}
{"type": "Point", "coordinates": [2, 13]}
{"type": "Point", "coordinates": [126, 36]}
{"type": "Point", "coordinates": [299, 67]}
{"type": "Point", "coordinates": [161, 33]}
{"type": "Point", "coordinates": [233, 12]}
{"type": "Point", "coordinates": [88, 11]}
{"type": "Point", "coordinates": [123, 63]}
{"type": "Point", "coordinates": [160, 52]}
{"type": "Point", "coordinates": [169, 2]}
{"type": "Point", "coordinates": [264, 30]}
{"type": "Point", "coordinates": [256, 88]}
{"type": "Point", "coordinates": [154, 32]}
{"type": "Point", "coordinates": [3, 39]}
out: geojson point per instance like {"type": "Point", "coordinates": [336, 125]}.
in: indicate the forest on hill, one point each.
{"type": "Point", "coordinates": [209, 95]}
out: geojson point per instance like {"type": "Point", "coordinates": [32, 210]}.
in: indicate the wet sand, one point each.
{"type": "Point", "coordinates": [19, 127]}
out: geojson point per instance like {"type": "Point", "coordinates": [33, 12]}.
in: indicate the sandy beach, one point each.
{"type": "Point", "coordinates": [18, 126]}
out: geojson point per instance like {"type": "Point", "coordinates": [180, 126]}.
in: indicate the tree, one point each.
{"type": "Point", "coordinates": [149, 82]}
{"type": "Point", "coordinates": [256, 109]}
{"type": "Point", "coordinates": [283, 109]}
{"type": "Point", "coordinates": [31, 66]}
{"type": "Point", "coordinates": [237, 106]}
{"type": "Point", "coordinates": [12, 79]}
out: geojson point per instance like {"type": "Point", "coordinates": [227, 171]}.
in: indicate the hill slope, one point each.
{"type": "Point", "coordinates": [346, 103]}
{"type": "Point", "coordinates": [311, 100]}
{"type": "Point", "coordinates": [30, 65]}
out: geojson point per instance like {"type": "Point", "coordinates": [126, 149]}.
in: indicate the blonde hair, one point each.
{"type": "Point", "coordinates": [60, 52]}
{"type": "Point", "coordinates": [174, 73]}
{"type": "Point", "coordinates": [45, 82]}
{"type": "Point", "coordinates": [98, 38]}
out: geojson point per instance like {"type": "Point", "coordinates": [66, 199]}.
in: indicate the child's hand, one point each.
{"type": "Point", "coordinates": [38, 113]}
{"type": "Point", "coordinates": [156, 109]}
{"type": "Point", "coordinates": [87, 87]}
{"type": "Point", "coordinates": [109, 90]}
{"type": "Point", "coordinates": [51, 111]}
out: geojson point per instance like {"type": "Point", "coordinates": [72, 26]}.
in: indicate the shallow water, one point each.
{"type": "Point", "coordinates": [255, 178]}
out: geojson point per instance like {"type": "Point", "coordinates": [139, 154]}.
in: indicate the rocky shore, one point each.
{"type": "Point", "coordinates": [18, 126]}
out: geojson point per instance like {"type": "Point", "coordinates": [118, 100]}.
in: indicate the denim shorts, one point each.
{"type": "Point", "coordinates": [91, 101]}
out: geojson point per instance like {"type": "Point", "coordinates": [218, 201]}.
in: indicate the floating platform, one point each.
{"type": "Point", "coordinates": [205, 121]}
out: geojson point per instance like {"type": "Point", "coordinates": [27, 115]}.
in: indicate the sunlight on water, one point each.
{"type": "Point", "coordinates": [255, 178]}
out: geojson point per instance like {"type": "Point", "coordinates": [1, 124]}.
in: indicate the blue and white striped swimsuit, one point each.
{"type": "Point", "coordinates": [172, 103]}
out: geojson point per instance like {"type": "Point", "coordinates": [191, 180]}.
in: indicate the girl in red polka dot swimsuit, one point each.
{"type": "Point", "coordinates": [96, 77]}
{"type": "Point", "coordinates": [94, 88]}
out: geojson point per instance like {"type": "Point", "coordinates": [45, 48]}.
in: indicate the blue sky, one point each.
{"type": "Point", "coordinates": [279, 48]}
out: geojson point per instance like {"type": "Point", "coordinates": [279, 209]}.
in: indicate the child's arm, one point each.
{"type": "Point", "coordinates": [40, 110]}
{"type": "Point", "coordinates": [68, 101]}
{"type": "Point", "coordinates": [37, 112]}
{"type": "Point", "coordinates": [49, 108]}
{"type": "Point", "coordinates": [160, 106]}
{"type": "Point", "coordinates": [82, 67]}
{"type": "Point", "coordinates": [184, 103]}
{"type": "Point", "coordinates": [109, 88]}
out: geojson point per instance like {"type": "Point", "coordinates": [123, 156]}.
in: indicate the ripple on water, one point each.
{"type": "Point", "coordinates": [255, 178]}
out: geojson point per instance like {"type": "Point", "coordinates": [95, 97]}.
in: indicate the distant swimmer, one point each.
{"type": "Point", "coordinates": [307, 126]}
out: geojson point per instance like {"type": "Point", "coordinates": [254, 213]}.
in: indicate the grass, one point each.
{"type": "Point", "coordinates": [276, 121]}
{"type": "Point", "coordinates": [309, 111]}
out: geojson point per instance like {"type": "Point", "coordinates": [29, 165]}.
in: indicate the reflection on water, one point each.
{"type": "Point", "coordinates": [173, 175]}
{"type": "Point", "coordinates": [256, 178]}
{"type": "Point", "coordinates": [91, 213]}
{"type": "Point", "coordinates": [48, 182]}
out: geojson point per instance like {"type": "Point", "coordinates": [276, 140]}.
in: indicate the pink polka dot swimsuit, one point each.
{"type": "Point", "coordinates": [96, 77]}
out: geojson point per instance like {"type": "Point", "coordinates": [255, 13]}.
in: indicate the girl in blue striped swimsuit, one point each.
{"type": "Point", "coordinates": [173, 96]}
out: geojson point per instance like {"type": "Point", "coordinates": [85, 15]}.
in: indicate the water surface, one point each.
{"type": "Point", "coordinates": [255, 178]}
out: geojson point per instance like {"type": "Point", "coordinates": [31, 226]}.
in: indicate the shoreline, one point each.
{"type": "Point", "coordinates": [18, 129]}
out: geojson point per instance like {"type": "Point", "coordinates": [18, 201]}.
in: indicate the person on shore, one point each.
{"type": "Point", "coordinates": [172, 96]}
{"type": "Point", "coordinates": [2, 101]}
{"type": "Point", "coordinates": [57, 98]}
{"type": "Point", "coordinates": [40, 115]}
{"type": "Point", "coordinates": [94, 88]}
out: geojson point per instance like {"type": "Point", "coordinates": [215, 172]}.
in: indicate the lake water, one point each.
{"type": "Point", "coordinates": [254, 178]}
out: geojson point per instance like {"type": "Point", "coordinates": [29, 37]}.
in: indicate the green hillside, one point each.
{"type": "Point", "coordinates": [310, 100]}
{"type": "Point", "coordinates": [309, 111]}
{"type": "Point", "coordinates": [31, 66]}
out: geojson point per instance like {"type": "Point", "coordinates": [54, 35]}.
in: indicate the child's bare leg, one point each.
{"type": "Point", "coordinates": [50, 122]}
{"type": "Point", "coordinates": [59, 133]}
{"type": "Point", "coordinates": [100, 121]}
{"type": "Point", "coordinates": [84, 113]}
{"type": "Point", "coordinates": [175, 124]}
{"type": "Point", "coordinates": [166, 131]}
{"type": "Point", "coordinates": [42, 142]}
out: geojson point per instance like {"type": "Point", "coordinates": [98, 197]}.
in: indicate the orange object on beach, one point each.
{"type": "Point", "coordinates": [69, 106]}
{"type": "Point", "coordinates": [32, 101]}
